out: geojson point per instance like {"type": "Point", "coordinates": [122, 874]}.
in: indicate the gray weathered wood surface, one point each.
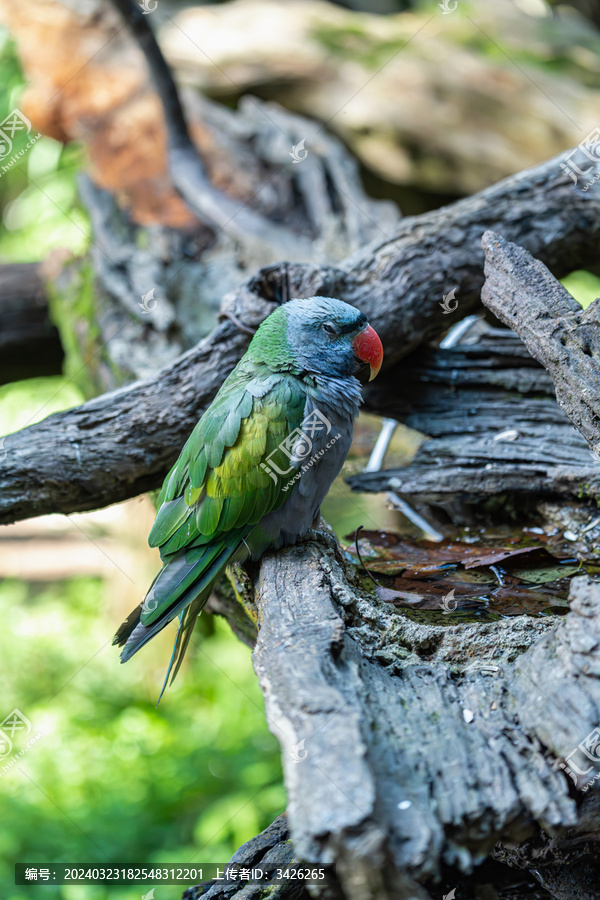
{"type": "Point", "coordinates": [565, 339]}
{"type": "Point", "coordinates": [493, 426]}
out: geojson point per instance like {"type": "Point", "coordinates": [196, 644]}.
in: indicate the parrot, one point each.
{"type": "Point", "coordinates": [257, 466]}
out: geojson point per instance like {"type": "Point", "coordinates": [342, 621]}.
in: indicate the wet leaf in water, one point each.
{"type": "Point", "coordinates": [431, 594]}
{"type": "Point", "coordinates": [471, 576]}
{"type": "Point", "coordinates": [518, 600]}
{"type": "Point", "coordinates": [491, 556]}
{"type": "Point", "coordinates": [545, 573]}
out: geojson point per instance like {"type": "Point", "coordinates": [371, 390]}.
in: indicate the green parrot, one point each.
{"type": "Point", "coordinates": [255, 469]}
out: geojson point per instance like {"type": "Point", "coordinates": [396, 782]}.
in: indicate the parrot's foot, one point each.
{"type": "Point", "coordinates": [322, 533]}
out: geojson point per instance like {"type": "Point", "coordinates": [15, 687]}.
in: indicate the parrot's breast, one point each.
{"type": "Point", "coordinates": [317, 454]}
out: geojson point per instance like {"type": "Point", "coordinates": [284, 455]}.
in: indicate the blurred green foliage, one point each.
{"type": "Point", "coordinates": [582, 285]}
{"type": "Point", "coordinates": [112, 778]}
{"type": "Point", "coordinates": [38, 194]}
{"type": "Point", "coordinates": [25, 402]}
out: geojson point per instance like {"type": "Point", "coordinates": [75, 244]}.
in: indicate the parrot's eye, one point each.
{"type": "Point", "coordinates": [328, 328]}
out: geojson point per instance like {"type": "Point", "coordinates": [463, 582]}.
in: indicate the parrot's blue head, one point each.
{"type": "Point", "coordinates": [319, 335]}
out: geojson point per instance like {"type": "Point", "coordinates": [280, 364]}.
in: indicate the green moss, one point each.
{"type": "Point", "coordinates": [557, 62]}
{"type": "Point", "coordinates": [142, 238]}
{"type": "Point", "coordinates": [242, 589]}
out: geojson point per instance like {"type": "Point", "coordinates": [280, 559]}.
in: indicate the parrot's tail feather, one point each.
{"type": "Point", "coordinates": [187, 620]}
{"type": "Point", "coordinates": [128, 626]}
{"type": "Point", "coordinates": [188, 588]}
{"type": "Point", "coordinates": [141, 634]}
{"type": "Point", "coordinates": [163, 688]}
{"type": "Point", "coordinates": [184, 633]}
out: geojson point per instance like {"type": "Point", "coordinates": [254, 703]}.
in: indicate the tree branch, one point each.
{"type": "Point", "coordinates": [562, 336]}
{"type": "Point", "coordinates": [123, 443]}
{"type": "Point", "coordinates": [268, 851]}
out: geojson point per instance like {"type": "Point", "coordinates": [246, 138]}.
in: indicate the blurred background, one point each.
{"type": "Point", "coordinates": [435, 101]}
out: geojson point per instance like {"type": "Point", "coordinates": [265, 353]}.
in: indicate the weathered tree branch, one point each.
{"type": "Point", "coordinates": [123, 443]}
{"type": "Point", "coordinates": [493, 423]}
{"type": "Point", "coordinates": [565, 339]}
{"type": "Point", "coordinates": [103, 464]}
{"type": "Point", "coordinates": [268, 851]}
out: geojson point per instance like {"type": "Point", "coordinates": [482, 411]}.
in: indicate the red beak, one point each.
{"type": "Point", "coordinates": [367, 348]}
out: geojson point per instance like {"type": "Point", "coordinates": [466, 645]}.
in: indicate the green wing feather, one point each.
{"type": "Point", "coordinates": [212, 498]}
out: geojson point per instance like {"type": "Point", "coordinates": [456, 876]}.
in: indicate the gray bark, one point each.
{"type": "Point", "coordinates": [555, 329]}
{"type": "Point", "coordinates": [493, 427]}
{"type": "Point", "coordinates": [268, 851]}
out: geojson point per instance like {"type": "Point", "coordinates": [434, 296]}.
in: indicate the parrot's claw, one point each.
{"type": "Point", "coordinates": [323, 534]}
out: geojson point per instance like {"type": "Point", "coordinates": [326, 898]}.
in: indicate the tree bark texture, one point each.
{"type": "Point", "coordinates": [565, 338]}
